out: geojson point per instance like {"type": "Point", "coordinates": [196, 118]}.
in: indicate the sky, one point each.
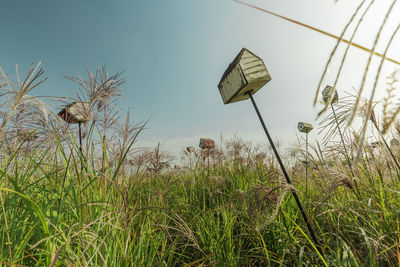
{"type": "Point", "coordinates": [173, 54]}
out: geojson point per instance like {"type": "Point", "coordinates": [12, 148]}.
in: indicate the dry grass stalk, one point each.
{"type": "Point", "coordinates": [345, 54]}
{"type": "Point", "coordinates": [371, 51]}
{"type": "Point", "coordinates": [263, 203]}
{"type": "Point", "coordinates": [23, 113]}
{"type": "Point", "coordinates": [338, 120]}
{"type": "Point", "coordinates": [390, 109]}
{"type": "Point", "coordinates": [100, 90]}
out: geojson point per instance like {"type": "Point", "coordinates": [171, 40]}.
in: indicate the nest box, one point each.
{"type": "Point", "coordinates": [327, 92]}
{"type": "Point", "coordinates": [247, 72]}
{"type": "Point", "coordinates": [206, 143]}
{"type": "Point", "coordinates": [76, 112]}
{"type": "Point", "coordinates": [304, 127]}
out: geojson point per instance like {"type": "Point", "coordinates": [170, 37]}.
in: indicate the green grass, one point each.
{"type": "Point", "coordinates": [234, 214]}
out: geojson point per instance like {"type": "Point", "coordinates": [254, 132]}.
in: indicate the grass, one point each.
{"type": "Point", "coordinates": [356, 20]}
{"type": "Point", "coordinates": [236, 213]}
{"type": "Point", "coordinates": [110, 204]}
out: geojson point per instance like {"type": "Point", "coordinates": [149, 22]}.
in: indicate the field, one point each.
{"type": "Point", "coordinates": [77, 189]}
{"type": "Point", "coordinates": [61, 210]}
{"type": "Point", "coordinates": [111, 204]}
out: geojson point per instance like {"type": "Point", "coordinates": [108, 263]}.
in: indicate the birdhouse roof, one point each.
{"type": "Point", "coordinates": [206, 143]}
{"type": "Point", "coordinates": [75, 112]}
{"type": "Point", "coordinates": [235, 62]}
{"type": "Point", "coordinates": [304, 127]}
{"type": "Point", "coordinates": [245, 75]}
{"type": "Point", "coordinates": [327, 92]}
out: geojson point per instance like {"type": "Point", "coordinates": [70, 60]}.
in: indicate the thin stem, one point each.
{"type": "Point", "coordinates": [306, 164]}
{"type": "Point", "coordinates": [342, 140]}
{"type": "Point", "coordinates": [80, 138]}
{"type": "Point", "coordinates": [388, 148]}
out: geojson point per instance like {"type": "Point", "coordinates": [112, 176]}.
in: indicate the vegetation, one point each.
{"type": "Point", "coordinates": [111, 204]}
{"type": "Point", "coordinates": [107, 203]}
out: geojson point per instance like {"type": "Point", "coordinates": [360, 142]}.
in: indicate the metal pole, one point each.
{"type": "Point", "coordinates": [80, 138]}
{"type": "Point", "coordinates": [285, 174]}
{"type": "Point", "coordinates": [306, 164]}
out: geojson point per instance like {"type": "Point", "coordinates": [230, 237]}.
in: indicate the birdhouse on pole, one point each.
{"type": "Point", "coordinates": [327, 92]}
{"type": "Point", "coordinates": [76, 112]}
{"type": "Point", "coordinates": [394, 143]}
{"type": "Point", "coordinates": [304, 127]}
{"type": "Point", "coordinates": [246, 73]}
{"type": "Point", "coordinates": [206, 143]}
{"type": "Point", "coordinates": [243, 77]}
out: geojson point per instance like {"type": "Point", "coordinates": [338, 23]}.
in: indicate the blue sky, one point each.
{"type": "Point", "coordinates": [173, 54]}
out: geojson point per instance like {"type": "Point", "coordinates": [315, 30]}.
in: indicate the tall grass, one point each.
{"type": "Point", "coordinates": [236, 213]}
{"type": "Point", "coordinates": [233, 214]}
{"type": "Point", "coordinates": [112, 205]}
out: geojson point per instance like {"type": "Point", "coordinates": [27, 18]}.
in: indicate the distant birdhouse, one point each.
{"type": "Point", "coordinates": [246, 73]}
{"type": "Point", "coordinates": [206, 143]}
{"type": "Point", "coordinates": [327, 92]}
{"type": "Point", "coordinates": [76, 112]}
{"type": "Point", "coordinates": [304, 127]}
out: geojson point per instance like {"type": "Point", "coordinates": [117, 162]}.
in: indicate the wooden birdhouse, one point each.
{"type": "Point", "coordinates": [76, 112]}
{"type": "Point", "coordinates": [327, 92]}
{"type": "Point", "coordinates": [304, 127]}
{"type": "Point", "coordinates": [206, 143]}
{"type": "Point", "coordinates": [246, 73]}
